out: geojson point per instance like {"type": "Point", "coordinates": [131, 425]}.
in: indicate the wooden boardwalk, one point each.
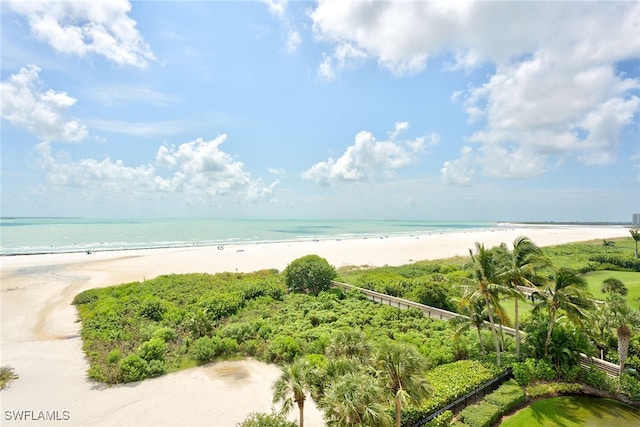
{"type": "Point", "coordinates": [609, 368]}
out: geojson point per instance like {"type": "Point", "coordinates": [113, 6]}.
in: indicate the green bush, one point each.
{"type": "Point", "coordinates": [265, 420]}
{"type": "Point", "coordinates": [550, 389]}
{"type": "Point", "coordinates": [133, 368]}
{"type": "Point", "coordinates": [310, 274]}
{"type": "Point", "coordinates": [156, 368]}
{"type": "Point", "coordinates": [532, 370]}
{"type": "Point", "coordinates": [629, 386]}
{"type": "Point", "coordinates": [507, 396]}
{"type": "Point", "coordinates": [153, 349]}
{"type": "Point", "coordinates": [204, 349]}
{"type": "Point", "coordinates": [152, 309]}
{"type": "Point", "coordinates": [484, 414]}
{"type": "Point", "coordinates": [113, 356]}
{"type": "Point", "coordinates": [284, 349]}
{"type": "Point", "coordinates": [442, 420]}
{"type": "Point", "coordinates": [165, 334]}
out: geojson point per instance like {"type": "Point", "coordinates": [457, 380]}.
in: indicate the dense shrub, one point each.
{"type": "Point", "coordinates": [507, 396]}
{"type": "Point", "coordinates": [310, 274]}
{"type": "Point", "coordinates": [165, 334]}
{"type": "Point", "coordinates": [265, 420]}
{"type": "Point", "coordinates": [156, 368]}
{"type": "Point", "coordinates": [442, 420]}
{"type": "Point", "coordinates": [283, 349]}
{"type": "Point", "coordinates": [153, 349]}
{"type": "Point", "coordinates": [152, 309]}
{"type": "Point", "coordinates": [620, 262]}
{"type": "Point", "coordinates": [133, 368]}
{"type": "Point", "coordinates": [204, 349]}
{"type": "Point", "coordinates": [550, 389]}
{"type": "Point", "coordinates": [484, 414]}
{"type": "Point", "coordinates": [629, 386]}
{"type": "Point", "coordinates": [532, 370]}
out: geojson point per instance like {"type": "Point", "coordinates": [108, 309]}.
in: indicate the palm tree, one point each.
{"type": "Point", "coordinates": [614, 286]}
{"type": "Point", "coordinates": [521, 267]}
{"type": "Point", "coordinates": [354, 399]}
{"type": "Point", "coordinates": [401, 369]}
{"type": "Point", "coordinates": [636, 236]}
{"type": "Point", "coordinates": [625, 320]}
{"type": "Point", "coordinates": [348, 343]}
{"type": "Point", "coordinates": [606, 244]}
{"type": "Point", "coordinates": [474, 315]}
{"type": "Point", "coordinates": [485, 286]}
{"type": "Point", "coordinates": [565, 292]}
{"type": "Point", "coordinates": [292, 387]}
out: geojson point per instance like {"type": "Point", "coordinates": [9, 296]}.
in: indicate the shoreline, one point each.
{"type": "Point", "coordinates": [39, 333]}
{"type": "Point", "coordinates": [498, 226]}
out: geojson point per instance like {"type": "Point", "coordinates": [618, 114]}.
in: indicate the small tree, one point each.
{"type": "Point", "coordinates": [636, 237]}
{"type": "Point", "coordinates": [311, 274]}
{"type": "Point", "coordinates": [606, 244]}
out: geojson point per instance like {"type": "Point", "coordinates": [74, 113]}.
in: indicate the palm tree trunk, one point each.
{"type": "Point", "coordinates": [552, 320]}
{"type": "Point", "coordinates": [398, 411]}
{"type": "Point", "coordinates": [517, 331]}
{"type": "Point", "coordinates": [494, 333]}
{"type": "Point", "coordinates": [480, 340]}
{"type": "Point", "coordinates": [624, 335]}
{"type": "Point", "coordinates": [301, 410]}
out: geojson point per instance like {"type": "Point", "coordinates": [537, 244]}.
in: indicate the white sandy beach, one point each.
{"type": "Point", "coordinates": [39, 335]}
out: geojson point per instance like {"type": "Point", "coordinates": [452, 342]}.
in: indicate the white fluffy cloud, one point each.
{"type": "Point", "coordinates": [198, 169]}
{"type": "Point", "coordinates": [556, 91]}
{"type": "Point", "coordinates": [363, 160]}
{"type": "Point", "coordinates": [81, 27]}
{"type": "Point", "coordinates": [26, 104]}
{"type": "Point", "coordinates": [460, 171]}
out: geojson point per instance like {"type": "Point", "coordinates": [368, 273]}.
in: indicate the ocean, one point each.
{"type": "Point", "coordinates": [23, 236]}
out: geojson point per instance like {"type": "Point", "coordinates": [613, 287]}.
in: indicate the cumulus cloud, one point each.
{"type": "Point", "coordinates": [82, 27]}
{"type": "Point", "coordinates": [556, 91]}
{"type": "Point", "coordinates": [366, 158]}
{"type": "Point", "coordinates": [27, 104]}
{"type": "Point", "coordinates": [197, 169]}
{"type": "Point", "coordinates": [459, 172]}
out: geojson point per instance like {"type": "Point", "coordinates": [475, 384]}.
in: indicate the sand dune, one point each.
{"type": "Point", "coordinates": [39, 332]}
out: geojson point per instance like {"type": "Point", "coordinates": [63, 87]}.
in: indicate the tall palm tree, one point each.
{"type": "Point", "coordinates": [401, 369]}
{"type": "Point", "coordinates": [636, 236]}
{"type": "Point", "coordinates": [565, 292]}
{"type": "Point", "coordinates": [625, 320]}
{"type": "Point", "coordinates": [354, 399]}
{"type": "Point", "coordinates": [474, 315]}
{"type": "Point", "coordinates": [292, 387]}
{"type": "Point", "coordinates": [521, 269]}
{"type": "Point", "coordinates": [485, 286]}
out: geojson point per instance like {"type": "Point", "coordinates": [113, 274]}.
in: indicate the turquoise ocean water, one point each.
{"type": "Point", "coordinates": [21, 236]}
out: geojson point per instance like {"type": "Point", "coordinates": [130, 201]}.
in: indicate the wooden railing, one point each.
{"type": "Point", "coordinates": [437, 313]}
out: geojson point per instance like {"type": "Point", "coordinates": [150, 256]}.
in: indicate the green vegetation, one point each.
{"type": "Point", "coordinates": [578, 411]}
{"type": "Point", "coordinates": [336, 346]}
{"type": "Point", "coordinates": [493, 406]}
{"type": "Point", "coordinates": [265, 420]}
{"type": "Point", "coordinates": [7, 374]}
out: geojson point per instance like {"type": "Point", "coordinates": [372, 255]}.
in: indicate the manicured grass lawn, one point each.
{"type": "Point", "coordinates": [570, 411]}
{"type": "Point", "coordinates": [629, 278]}
{"type": "Point", "coordinates": [594, 282]}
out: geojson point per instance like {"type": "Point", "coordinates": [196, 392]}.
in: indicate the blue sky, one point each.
{"type": "Point", "coordinates": [523, 111]}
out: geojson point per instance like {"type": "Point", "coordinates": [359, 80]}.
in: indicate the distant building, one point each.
{"type": "Point", "coordinates": [636, 219]}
